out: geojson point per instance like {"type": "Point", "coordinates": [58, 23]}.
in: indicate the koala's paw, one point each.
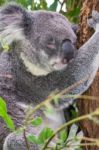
{"type": "Point", "coordinates": [63, 103]}
{"type": "Point", "coordinates": [93, 21]}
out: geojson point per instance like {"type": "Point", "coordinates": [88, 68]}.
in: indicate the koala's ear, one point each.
{"type": "Point", "coordinates": [75, 27]}
{"type": "Point", "coordinates": [14, 22]}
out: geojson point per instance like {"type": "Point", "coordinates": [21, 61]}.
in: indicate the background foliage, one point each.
{"type": "Point", "coordinates": [69, 8]}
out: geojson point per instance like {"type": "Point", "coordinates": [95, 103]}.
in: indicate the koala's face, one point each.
{"type": "Point", "coordinates": [50, 36]}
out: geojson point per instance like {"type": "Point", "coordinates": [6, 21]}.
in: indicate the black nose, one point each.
{"type": "Point", "coordinates": [68, 50]}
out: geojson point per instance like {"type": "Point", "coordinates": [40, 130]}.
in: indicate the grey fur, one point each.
{"type": "Point", "coordinates": [28, 34]}
{"type": "Point", "coordinates": [21, 85]}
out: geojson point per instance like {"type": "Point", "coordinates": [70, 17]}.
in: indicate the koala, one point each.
{"type": "Point", "coordinates": [41, 44]}
{"type": "Point", "coordinates": [41, 59]}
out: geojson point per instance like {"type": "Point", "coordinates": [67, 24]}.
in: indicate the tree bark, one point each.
{"type": "Point", "coordinates": [89, 128]}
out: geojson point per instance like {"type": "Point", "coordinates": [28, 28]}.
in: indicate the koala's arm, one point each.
{"type": "Point", "coordinates": [83, 67]}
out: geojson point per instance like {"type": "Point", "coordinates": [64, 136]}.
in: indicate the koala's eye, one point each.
{"type": "Point", "coordinates": [51, 43]}
{"type": "Point", "coordinates": [51, 40]}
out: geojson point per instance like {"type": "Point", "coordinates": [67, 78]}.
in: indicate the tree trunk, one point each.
{"type": "Point", "coordinates": [89, 128]}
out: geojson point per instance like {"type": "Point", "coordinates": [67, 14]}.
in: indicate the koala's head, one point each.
{"type": "Point", "coordinates": [47, 39]}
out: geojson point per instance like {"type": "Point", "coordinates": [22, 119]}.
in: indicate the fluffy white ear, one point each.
{"type": "Point", "coordinates": [12, 23]}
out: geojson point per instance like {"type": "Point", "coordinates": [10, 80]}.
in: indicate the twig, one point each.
{"type": "Point", "coordinates": [27, 144]}
{"type": "Point", "coordinates": [64, 1]}
{"type": "Point", "coordinates": [83, 144]}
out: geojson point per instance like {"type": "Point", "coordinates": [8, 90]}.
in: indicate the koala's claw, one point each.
{"type": "Point", "coordinates": [93, 20]}
{"type": "Point", "coordinates": [64, 103]}
{"type": "Point", "coordinates": [95, 15]}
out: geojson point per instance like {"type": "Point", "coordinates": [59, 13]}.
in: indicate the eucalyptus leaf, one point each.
{"type": "Point", "coordinates": [3, 104]}
{"type": "Point", "coordinates": [45, 134]}
{"type": "Point", "coordinates": [53, 6]}
{"type": "Point", "coordinates": [63, 135]}
{"type": "Point", "coordinates": [37, 121]}
{"type": "Point", "coordinates": [9, 122]}
{"type": "Point", "coordinates": [5, 116]}
{"type": "Point", "coordinates": [32, 138]}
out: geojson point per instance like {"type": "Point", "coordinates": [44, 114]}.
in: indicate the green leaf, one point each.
{"type": "Point", "coordinates": [74, 13]}
{"type": "Point", "coordinates": [9, 122]}
{"type": "Point", "coordinates": [32, 138]}
{"type": "Point", "coordinates": [37, 121]}
{"type": "Point", "coordinates": [3, 105]}
{"type": "Point", "coordinates": [2, 112]}
{"type": "Point", "coordinates": [63, 135]}
{"type": "Point", "coordinates": [5, 116]}
{"type": "Point", "coordinates": [23, 2]}
{"type": "Point", "coordinates": [78, 149]}
{"type": "Point", "coordinates": [53, 6]}
{"type": "Point", "coordinates": [1, 2]}
{"type": "Point", "coordinates": [3, 108]}
{"type": "Point", "coordinates": [43, 3]}
{"type": "Point", "coordinates": [44, 135]}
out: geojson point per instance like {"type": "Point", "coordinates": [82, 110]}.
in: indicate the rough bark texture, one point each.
{"type": "Point", "coordinates": [89, 128]}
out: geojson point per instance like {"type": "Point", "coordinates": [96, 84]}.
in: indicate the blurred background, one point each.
{"type": "Point", "coordinates": [69, 8]}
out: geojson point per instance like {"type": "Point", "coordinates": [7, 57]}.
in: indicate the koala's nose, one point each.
{"type": "Point", "coordinates": [68, 51]}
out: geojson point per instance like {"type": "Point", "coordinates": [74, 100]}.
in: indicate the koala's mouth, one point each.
{"type": "Point", "coordinates": [59, 64]}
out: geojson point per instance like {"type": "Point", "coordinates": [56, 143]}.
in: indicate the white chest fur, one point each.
{"type": "Point", "coordinates": [32, 68]}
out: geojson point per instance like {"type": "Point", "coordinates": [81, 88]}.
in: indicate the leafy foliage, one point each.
{"type": "Point", "coordinates": [69, 8]}
{"type": "Point", "coordinates": [64, 140]}
{"type": "Point", "coordinates": [53, 6]}
{"type": "Point", "coordinates": [37, 121]}
{"type": "Point", "coordinates": [45, 133]}
{"type": "Point", "coordinates": [5, 116]}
